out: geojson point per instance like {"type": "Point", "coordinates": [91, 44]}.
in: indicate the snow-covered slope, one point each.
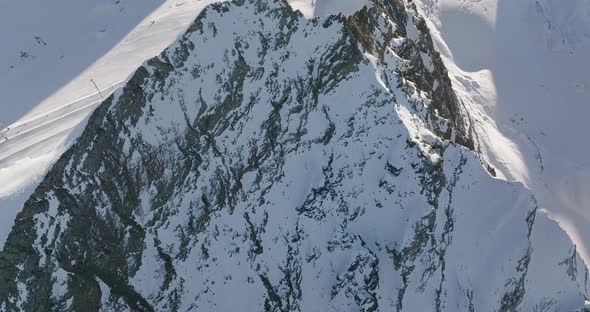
{"type": "Point", "coordinates": [55, 57]}
{"type": "Point", "coordinates": [59, 59]}
{"type": "Point", "coordinates": [522, 69]}
{"type": "Point", "coordinates": [268, 162]}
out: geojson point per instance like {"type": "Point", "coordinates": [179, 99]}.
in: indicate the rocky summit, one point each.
{"type": "Point", "coordinates": [270, 162]}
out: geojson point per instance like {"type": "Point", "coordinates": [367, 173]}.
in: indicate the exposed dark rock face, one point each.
{"type": "Point", "coordinates": [266, 162]}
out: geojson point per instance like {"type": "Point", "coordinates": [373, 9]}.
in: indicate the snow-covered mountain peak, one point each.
{"type": "Point", "coordinates": [65, 59]}
{"type": "Point", "coordinates": [269, 162]}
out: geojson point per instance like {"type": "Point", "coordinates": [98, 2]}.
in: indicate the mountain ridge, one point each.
{"type": "Point", "coordinates": [322, 177]}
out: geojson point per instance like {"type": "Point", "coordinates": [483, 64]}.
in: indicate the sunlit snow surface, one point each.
{"type": "Point", "coordinates": [311, 8]}
{"type": "Point", "coordinates": [522, 69]}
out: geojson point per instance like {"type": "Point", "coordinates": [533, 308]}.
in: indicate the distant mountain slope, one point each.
{"type": "Point", "coordinates": [268, 162]}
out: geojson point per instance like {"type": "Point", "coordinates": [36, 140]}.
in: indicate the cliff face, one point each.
{"type": "Point", "coordinates": [270, 162]}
